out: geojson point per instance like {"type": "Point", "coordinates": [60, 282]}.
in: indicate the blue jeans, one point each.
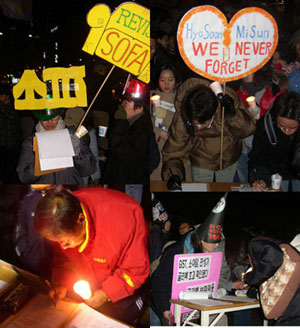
{"type": "Point", "coordinates": [154, 318]}
{"type": "Point", "coordinates": [294, 185]}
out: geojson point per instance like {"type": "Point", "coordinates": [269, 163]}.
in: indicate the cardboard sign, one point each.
{"type": "Point", "coordinates": [122, 38]}
{"type": "Point", "coordinates": [195, 272]}
{"type": "Point", "coordinates": [64, 81]}
{"type": "Point", "coordinates": [224, 51]}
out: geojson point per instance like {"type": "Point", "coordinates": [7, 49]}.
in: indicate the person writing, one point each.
{"type": "Point", "coordinates": [96, 241]}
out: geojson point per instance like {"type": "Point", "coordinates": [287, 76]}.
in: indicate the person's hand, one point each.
{"type": "Point", "coordinates": [163, 135]}
{"type": "Point", "coordinates": [76, 144]}
{"type": "Point", "coordinates": [167, 315]}
{"type": "Point", "coordinates": [57, 293]}
{"type": "Point", "coordinates": [228, 104]}
{"type": "Point", "coordinates": [174, 183]}
{"type": "Point", "coordinates": [131, 112]}
{"type": "Point", "coordinates": [259, 185]}
{"type": "Point", "coordinates": [98, 298]}
{"type": "Point", "coordinates": [239, 285]}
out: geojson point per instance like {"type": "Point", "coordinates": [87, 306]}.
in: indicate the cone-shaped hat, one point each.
{"type": "Point", "coordinates": [210, 230]}
{"type": "Point", "coordinates": [159, 213]}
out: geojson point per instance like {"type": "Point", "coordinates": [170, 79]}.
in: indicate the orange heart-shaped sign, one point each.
{"type": "Point", "coordinates": [223, 51]}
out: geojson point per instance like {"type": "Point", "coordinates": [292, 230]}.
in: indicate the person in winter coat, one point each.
{"type": "Point", "coordinates": [100, 236]}
{"type": "Point", "coordinates": [167, 82]}
{"type": "Point", "coordinates": [84, 160]}
{"type": "Point", "coordinates": [274, 144]}
{"type": "Point", "coordinates": [273, 260]}
{"type": "Point", "coordinates": [195, 133]}
{"type": "Point", "coordinates": [129, 138]}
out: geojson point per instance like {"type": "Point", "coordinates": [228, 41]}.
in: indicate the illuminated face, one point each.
{"type": "Point", "coordinates": [51, 124]}
{"type": "Point", "coordinates": [167, 81]}
{"type": "Point", "coordinates": [208, 247]}
{"type": "Point", "coordinates": [287, 126]}
{"type": "Point", "coordinates": [68, 239]}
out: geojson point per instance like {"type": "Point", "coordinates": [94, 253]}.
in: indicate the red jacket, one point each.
{"type": "Point", "coordinates": [115, 257]}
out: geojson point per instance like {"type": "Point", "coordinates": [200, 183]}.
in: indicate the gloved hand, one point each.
{"type": "Point", "coordinates": [174, 183]}
{"type": "Point", "coordinates": [76, 144]}
{"type": "Point", "coordinates": [228, 104]}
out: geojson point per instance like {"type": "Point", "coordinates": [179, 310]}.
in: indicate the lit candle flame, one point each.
{"type": "Point", "coordinates": [82, 288]}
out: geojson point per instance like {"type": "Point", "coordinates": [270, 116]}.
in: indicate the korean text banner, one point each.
{"type": "Point", "coordinates": [122, 38]}
{"type": "Point", "coordinates": [195, 273]}
{"type": "Point", "coordinates": [67, 84]}
{"type": "Point", "coordinates": [223, 51]}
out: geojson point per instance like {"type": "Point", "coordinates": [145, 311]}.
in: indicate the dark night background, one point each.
{"type": "Point", "coordinates": [273, 214]}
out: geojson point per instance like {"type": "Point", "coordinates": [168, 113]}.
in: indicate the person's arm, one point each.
{"type": "Point", "coordinates": [176, 149]}
{"type": "Point", "coordinates": [241, 124]}
{"type": "Point", "coordinates": [259, 158]}
{"type": "Point", "coordinates": [133, 265]}
{"type": "Point", "coordinates": [25, 168]}
{"type": "Point", "coordinates": [85, 161]}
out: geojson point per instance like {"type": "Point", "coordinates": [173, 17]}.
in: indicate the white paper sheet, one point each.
{"type": "Point", "coordinates": [87, 317]}
{"type": "Point", "coordinates": [194, 187]}
{"type": "Point", "coordinates": [55, 149]}
{"type": "Point", "coordinates": [41, 313]}
{"type": "Point", "coordinates": [238, 299]}
{"type": "Point", "coordinates": [209, 302]}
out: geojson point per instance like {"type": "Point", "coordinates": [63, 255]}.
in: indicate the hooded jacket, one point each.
{"type": "Point", "coordinates": [203, 149]}
{"type": "Point", "coordinates": [114, 256]}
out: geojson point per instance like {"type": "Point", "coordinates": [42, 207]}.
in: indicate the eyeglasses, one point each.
{"type": "Point", "coordinates": [200, 126]}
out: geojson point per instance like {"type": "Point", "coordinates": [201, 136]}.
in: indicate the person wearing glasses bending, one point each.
{"type": "Point", "coordinates": [195, 134]}
{"type": "Point", "coordinates": [274, 144]}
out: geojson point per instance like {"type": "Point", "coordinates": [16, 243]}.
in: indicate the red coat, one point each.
{"type": "Point", "coordinates": [116, 255]}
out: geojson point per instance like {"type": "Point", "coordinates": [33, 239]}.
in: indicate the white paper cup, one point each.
{"type": "Point", "coordinates": [276, 181]}
{"type": "Point", "coordinates": [155, 100]}
{"type": "Point", "coordinates": [81, 131]}
{"type": "Point", "coordinates": [251, 101]}
{"type": "Point", "coordinates": [102, 130]}
{"type": "Point", "coordinates": [216, 87]}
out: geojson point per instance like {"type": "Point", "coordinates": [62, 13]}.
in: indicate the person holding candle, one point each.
{"type": "Point", "coordinates": [100, 242]}
{"type": "Point", "coordinates": [84, 160]}
{"type": "Point", "coordinates": [162, 108]}
{"type": "Point", "coordinates": [196, 134]}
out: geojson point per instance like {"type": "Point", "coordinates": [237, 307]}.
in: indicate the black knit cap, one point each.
{"type": "Point", "coordinates": [210, 230]}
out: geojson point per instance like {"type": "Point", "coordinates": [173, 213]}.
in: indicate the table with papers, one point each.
{"type": "Point", "coordinates": [208, 307]}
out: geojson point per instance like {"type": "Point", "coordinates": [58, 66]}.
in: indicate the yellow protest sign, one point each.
{"type": "Point", "coordinates": [122, 38]}
{"type": "Point", "coordinates": [68, 89]}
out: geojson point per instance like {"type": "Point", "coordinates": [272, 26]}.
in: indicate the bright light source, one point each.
{"type": "Point", "coordinates": [82, 288]}
{"type": "Point", "coordinates": [30, 35]}
{"type": "Point", "coordinates": [1, 33]}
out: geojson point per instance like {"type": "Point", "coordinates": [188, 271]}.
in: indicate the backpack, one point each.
{"type": "Point", "coordinates": [277, 292]}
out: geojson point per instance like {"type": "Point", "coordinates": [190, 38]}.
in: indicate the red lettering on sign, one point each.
{"type": "Point", "coordinates": [200, 47]}
{"type": "Point", "coordinates": [213, 46]}
{"type": "Point", "coordinates": [111, 46]}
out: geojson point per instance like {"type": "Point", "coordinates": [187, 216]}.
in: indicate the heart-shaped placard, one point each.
{"type": "Point", "coordinates": [222, 51]}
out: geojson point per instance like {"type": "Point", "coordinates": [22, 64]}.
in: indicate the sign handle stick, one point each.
{"type": "Point", "coordinates": [222, 133]}
{"type": "Point", "coordinates": [91, 104]}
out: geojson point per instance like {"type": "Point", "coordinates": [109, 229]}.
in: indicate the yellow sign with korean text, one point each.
{"type": "Point", "coordinates": [68, 89]}
{"type": "Point", "coordinates": [121, 38]}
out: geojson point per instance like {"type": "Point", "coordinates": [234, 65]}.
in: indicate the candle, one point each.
{"type": "Point", "coordinates": [155, 100]}
{"type": "Point", "coordinates": [82, 288]}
